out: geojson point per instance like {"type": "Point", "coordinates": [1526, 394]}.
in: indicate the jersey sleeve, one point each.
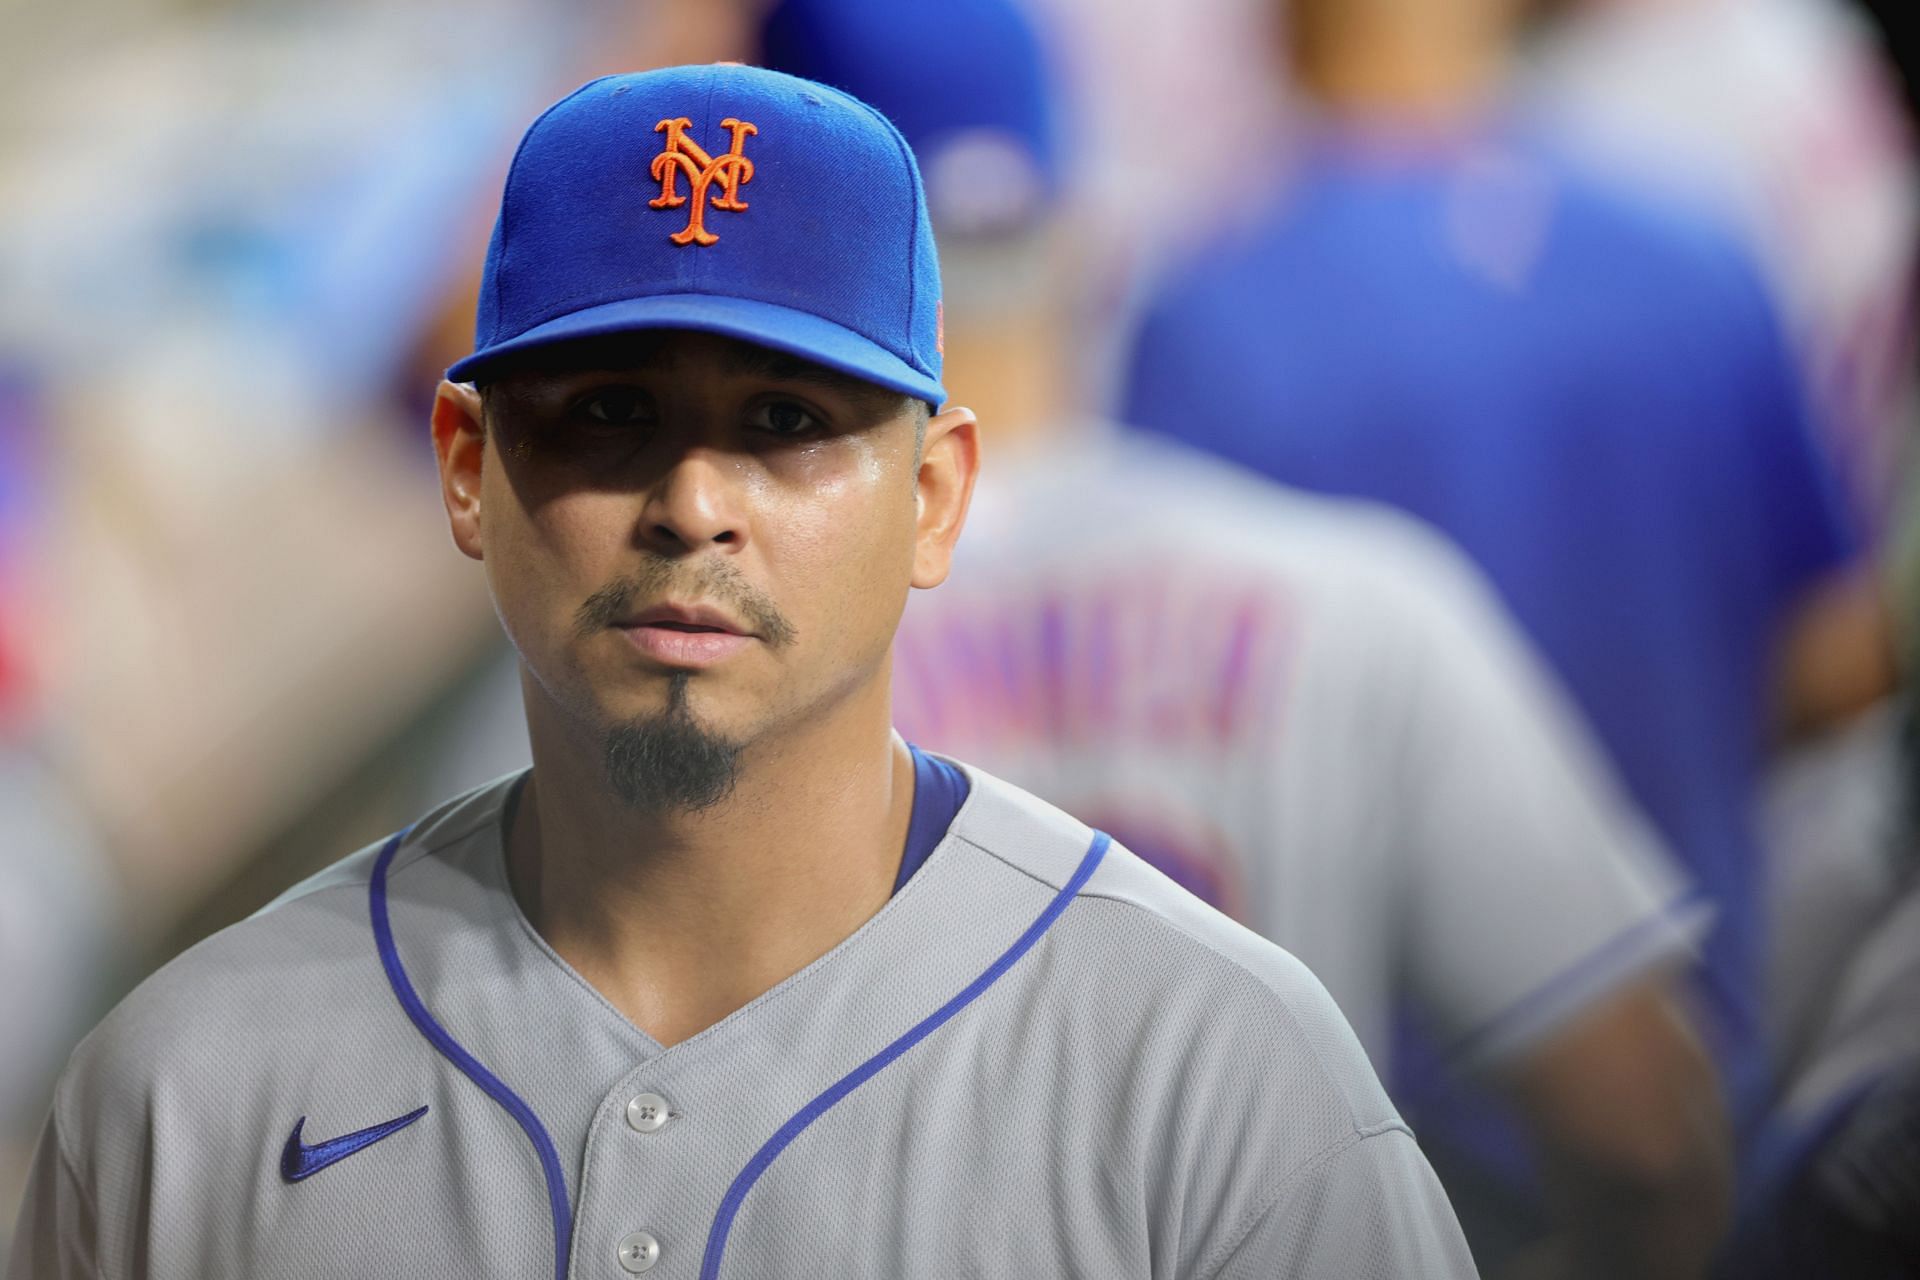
{"type": "Point", "coordinates": [1529, 887]}
{"type": "Point", "coordinates": [1372, 1210]}
{"type": "Point", "coordinates": [54, 1237]}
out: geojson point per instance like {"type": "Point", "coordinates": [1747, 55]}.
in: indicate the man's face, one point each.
{"type": "Point", "coordinates": [680, 527]}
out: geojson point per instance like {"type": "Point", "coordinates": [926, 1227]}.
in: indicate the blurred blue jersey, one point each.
{"type": "Point", "coordinates": [1592, 399]}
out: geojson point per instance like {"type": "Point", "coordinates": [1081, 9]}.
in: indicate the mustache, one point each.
{"type": "Point", "coordinates": [713, 580]}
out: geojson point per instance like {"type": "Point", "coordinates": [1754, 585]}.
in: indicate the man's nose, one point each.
{"type": "Point", "coordinates": [694, 504]}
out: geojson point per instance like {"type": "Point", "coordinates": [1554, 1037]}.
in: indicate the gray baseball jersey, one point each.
{"type": "Point", "coordinates": [1873, 1028]}
{"type": "Point", "coordinates": [1040, 1058]}
{"type": "Point", "coordinates": [1314, 714]}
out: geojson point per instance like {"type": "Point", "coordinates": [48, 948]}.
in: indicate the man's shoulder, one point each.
{"type": "Point", "coordinates": [1166, 970]}
{"type": "Point", "coordinates": [287, 980]}
{"type": "Point", "coordinates": [447, 825]}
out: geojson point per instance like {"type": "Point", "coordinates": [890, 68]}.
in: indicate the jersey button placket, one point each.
{"type": "Point", "coordinates": [646, 1113]}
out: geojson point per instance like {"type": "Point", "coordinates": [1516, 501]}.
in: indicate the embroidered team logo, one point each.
{"type": "Point", "coordinates": [682, 155]}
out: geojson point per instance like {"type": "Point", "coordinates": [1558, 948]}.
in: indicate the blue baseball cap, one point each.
{"type": "Point", "coordinates": [726, 199]}
{"type": "Point", "coordinates": [968, 82]}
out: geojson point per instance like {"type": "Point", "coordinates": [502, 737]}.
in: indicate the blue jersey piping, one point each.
{"type": "Point", "coordinates": [1624, 954]}
{"type": "Point", "coordinates": [770, 1151]}
{"type": "Point", "coordinates": [469, 1065]}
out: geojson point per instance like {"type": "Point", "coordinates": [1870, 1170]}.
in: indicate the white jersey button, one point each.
{"type": "Point", "coordinates": [649, 1111]}
{"type": "Point", "coordinates": [638, 1252]}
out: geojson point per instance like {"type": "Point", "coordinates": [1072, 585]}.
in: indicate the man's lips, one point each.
{"type": "Point", "coordinates": [685, 617]}
{"type": "Point", "coordinates": [685, 635]}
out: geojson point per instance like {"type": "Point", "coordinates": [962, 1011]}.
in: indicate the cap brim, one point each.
{"type": "Point", "coordinates": [782, 328]}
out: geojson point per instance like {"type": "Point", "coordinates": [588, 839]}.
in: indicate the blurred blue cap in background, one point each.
{"type": "Point", "coordinates": [967, 81]}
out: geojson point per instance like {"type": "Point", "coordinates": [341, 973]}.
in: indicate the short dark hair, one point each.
{"type": "Point", "coordinates": [922, 411]}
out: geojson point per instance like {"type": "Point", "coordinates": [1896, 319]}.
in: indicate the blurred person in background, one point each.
{"type": "Point", "coordinates": [1784, 118]}
{"type": "Point", "coordinates": [57, 901]}
{"type": "Point", "coordinates": [1838, 1187]}
{"type": "Point", "coordinates": [1119, 63]}
{"type": "Point", "coordinates": [1312, 714]}
{"type": "Point", "coordinates": [1592, 395]}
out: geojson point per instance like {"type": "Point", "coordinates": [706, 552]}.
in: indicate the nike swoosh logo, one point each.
{"type": "Point", "coordinates": [298, 1160]}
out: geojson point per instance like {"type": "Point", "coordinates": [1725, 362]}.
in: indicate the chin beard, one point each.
{"type": "Point", "coordinates": [670, 762]}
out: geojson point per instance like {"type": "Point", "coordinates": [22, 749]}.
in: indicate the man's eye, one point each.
{"type": "Point", "coordinates": [617, 406]}
{"type": "Point", "coordinates": [785, 418]}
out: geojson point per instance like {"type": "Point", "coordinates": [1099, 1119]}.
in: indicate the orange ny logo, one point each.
{"type": "Point", "coordinates": [683, 155]}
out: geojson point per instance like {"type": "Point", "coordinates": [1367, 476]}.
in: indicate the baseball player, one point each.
{"type": "Point", "coordinates": [1592, 397]}
{"type": "Point", "coordinates": [733, 982]}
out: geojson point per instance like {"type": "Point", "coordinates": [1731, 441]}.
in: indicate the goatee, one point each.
{"type": "Point", "coordinates": [671, 762]}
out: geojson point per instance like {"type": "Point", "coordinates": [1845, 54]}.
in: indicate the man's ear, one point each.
{"type": "Point", "coordinates": [949, 461]}
{"type": "Point", "coordinates": [460, 444]}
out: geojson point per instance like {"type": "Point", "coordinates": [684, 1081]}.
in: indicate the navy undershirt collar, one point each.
{"type": "Point", "coordinates": [939, 789]}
